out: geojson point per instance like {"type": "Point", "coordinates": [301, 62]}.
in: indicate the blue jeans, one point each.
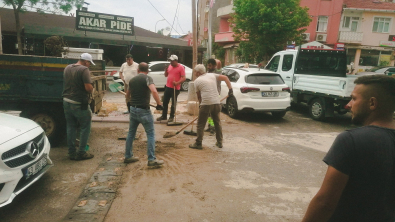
{"type": "Point", "coordinates": [76, 117]}
{"type": "Point", "coordinates": [143, 116]}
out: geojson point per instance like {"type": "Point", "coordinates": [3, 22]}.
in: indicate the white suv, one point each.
{"type": "Point", "coordinates": [255, 91]}
{"type": "Point", "coordinates": [24, 155]}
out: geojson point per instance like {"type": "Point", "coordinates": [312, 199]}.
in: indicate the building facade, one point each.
{"type": "Point", "coordinates": [367, 29]}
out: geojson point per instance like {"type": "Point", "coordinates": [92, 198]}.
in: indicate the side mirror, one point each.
{"type": "Point", "coordinates": [386, 73]}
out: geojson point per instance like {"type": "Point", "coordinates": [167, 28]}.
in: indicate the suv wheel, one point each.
{"type": "Point", "coordinates": [231, 107]}
{"type": "Point", "coordinates": [185, 85]}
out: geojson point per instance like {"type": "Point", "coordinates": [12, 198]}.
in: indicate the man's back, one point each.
{"type": "Point", "coordinates": [367, 155]}
{"type": "Point", "coordinates": [139, 90]}
{"type": "Point", "coordinates": [206, 84]}
{"type": "Point", "coordinates": [74, 77]}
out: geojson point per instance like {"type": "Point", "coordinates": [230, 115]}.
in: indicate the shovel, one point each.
{"type": "Point", "coordinates": [115, 87]}
{"type": "Point", "coordinates": [171, 134]}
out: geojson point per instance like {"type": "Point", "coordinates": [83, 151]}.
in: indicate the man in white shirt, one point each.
{"type": "Point", "coordinates": [207, 93]}
{"type": "Point", "coordinates": [127, 72]}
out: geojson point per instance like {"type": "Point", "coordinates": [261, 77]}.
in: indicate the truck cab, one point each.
{"type": "Point", "coordinates": [317, 77]}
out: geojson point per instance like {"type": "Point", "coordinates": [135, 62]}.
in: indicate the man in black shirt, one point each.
{"type": "Point", "coordinates": [140, 89]}
{"type": "Point", "coordinates": [359, 184]}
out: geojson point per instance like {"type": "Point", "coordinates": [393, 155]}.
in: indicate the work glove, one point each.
{"type": "Point", "coordinates": [159, 107]}
{"type": "Point", "coordinates": [230, 93]}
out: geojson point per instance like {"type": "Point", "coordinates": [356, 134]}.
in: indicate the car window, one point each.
{"type": "Point", "coordinates": [273, 64]}
{"type": "Point", "coordinates": [287, 63]}
{"type": "Point", "coordinates": [264, 79]}
{"type": "Point", "coordinates": [158, 67]}
{"type": "Point", "coordinates": [391, 69]}
{"type": "Point", "coordinates": [233, 75]}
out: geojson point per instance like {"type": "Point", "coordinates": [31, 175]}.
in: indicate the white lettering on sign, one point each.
{"type": "Point", "coordinates": [82, 21]}
{"type": "Point", "coordinates": [86, 14]}
{"type": "Point", "coordinates": [106, 17]}
{"type": "Point", "coordinates": [124, 19]}
{"type": "Point", "coordinates": [102, 23]}
{"type": "Point", "coordinates": [113, 24]}
{"type": "Point", "coordinates": [129, 26]}
{"type": "Point", "coordinates": [123, 25]}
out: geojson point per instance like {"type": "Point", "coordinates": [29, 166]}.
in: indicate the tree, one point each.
{"type": "Point", "coordinates": [263, 27]}
{"type": "Point", "coordinates": [54, 6]}
{"type": "Point", "coordinates": [55, 44]}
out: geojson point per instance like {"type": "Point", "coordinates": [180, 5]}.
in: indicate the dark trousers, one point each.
{"type": "Point", "coordinates": [204, 112]}
{"type": "Point", "coordinates": [169, 94]}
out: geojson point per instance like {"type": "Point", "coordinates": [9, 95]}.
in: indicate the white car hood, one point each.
{"type": "Point", "coordinates": [13, 126]}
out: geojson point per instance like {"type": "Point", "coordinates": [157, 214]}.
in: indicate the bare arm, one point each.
{"type": "Point", "coordinates": [88, 87]}
{"type": "Point", "coordinates": [183, 78]}
{"type": "Point", "coordinates": [121, 76]}
{"type": "Point", "coordinates": [155, 94]}
{"type": "Point", "coordinates": [199, 96]}
{"type": "Point", "coordinates": [226, 79]}
{"type": "Point", "coordinates": [325, 201]}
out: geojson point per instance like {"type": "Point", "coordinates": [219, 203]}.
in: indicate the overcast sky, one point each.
{"type": "Point", "coordinates": [145, 15]}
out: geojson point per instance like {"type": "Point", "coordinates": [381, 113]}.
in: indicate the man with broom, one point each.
{"type": "Point", "coordinates": [140, 89]}
{"type": "Point", "coordinates": [207, 93]}
{"type": "Point", "coordinates": [175, 74]}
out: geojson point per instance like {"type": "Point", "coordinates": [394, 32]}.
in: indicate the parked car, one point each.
{"type": "Point", "coordinates": [255, 91]}
{"type": "Point", "coordinates": [157, 72]}
{"type": "Point", "coordinates": [24, 152]}
{"type": "Point", "coordinates": [379, 71]}
{"type": "Point", "coordinates": [240, 65]}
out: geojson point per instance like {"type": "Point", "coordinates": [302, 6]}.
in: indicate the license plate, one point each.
{"type": "Point", "coordinates": [35, 168]}
{"type": "Point", "coordinates": [269, 94]}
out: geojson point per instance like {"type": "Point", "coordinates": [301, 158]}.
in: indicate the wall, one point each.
{"type": "Point", "coordinates": [373, 38]}
{"type": "Point", "coordinates": [332, 9]}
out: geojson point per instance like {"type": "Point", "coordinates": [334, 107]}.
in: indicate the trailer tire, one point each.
{"type": "Point", "coordinates": [52, 122]}
{"type": "Point", "coordinates": [317, 109]}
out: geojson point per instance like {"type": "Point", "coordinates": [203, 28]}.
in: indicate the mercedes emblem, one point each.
{"type": "Point", "coordinates": [271, 88]}
{"type": "Point", "coordinates": [32, 149]}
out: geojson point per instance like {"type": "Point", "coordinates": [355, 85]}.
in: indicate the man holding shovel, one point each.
{"type": "Point", "coordinates": [175, 74]}
{"type": "Point", "coordinates": [140, 89]}
{"type": "Point", "coordinates": [207, 93]}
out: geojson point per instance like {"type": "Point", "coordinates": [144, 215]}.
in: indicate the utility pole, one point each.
{"type": "Point", "coordinates": [1, 39]}
{"type": "Point", "coordinates": [194, 38]}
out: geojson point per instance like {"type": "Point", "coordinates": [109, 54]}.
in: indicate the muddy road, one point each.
{"type": "Point", "coordinates": [268, 170]}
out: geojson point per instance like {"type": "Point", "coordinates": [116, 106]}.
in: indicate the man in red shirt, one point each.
{"type": "Point", "coordinates": [175, 74]}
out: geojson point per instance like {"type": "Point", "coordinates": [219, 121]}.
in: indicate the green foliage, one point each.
{"type": "Point", "coordinates": [42, 6]}
{"type": "Point", "coordinates": [219, 52]}
{"type": "Point", "coordinates": [384, 63]}
{"type": "Point", "coordinates": [55, 45]}
{"type": "Point", "coordinates": [263, 27]}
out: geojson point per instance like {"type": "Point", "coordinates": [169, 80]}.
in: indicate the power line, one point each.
{"type": "Point", "coordinates": [161, 15]}
{"type": "Point", "coordinates": [178, 22]}
{"type": "Point", "coordinates": [175, 18]}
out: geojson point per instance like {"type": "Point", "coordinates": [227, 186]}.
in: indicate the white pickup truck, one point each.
{"type": "Point", "coordinates": [317, 77]}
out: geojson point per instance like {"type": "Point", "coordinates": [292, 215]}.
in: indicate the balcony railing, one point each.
{"type": "Point", "coordinates": [225, 11]}
{"type": "Point", "coordinates": [350, 37]}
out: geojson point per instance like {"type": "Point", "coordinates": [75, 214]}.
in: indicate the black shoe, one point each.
{"type": "Point", "coordinates": [161, 118]}
{"type": "Point", "coordinates": [218, 144]}
{"type": "Point", "coordinates": [171, 119]}
{"type": "Point", "coordinates": [84, 156]}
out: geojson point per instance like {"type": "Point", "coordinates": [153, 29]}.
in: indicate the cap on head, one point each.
{"type": "Point", "coordinates": [87, 57]}
{"type": "Point", "coordinates": [173, 58]}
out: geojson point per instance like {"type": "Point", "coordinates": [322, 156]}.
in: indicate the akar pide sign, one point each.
{"type": "Point", "coordinates": [99, 22]}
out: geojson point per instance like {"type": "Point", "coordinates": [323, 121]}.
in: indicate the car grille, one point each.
{"type": "Point", "coordinates": [18, 156]}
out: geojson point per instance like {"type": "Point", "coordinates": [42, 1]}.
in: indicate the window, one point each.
{"type": "Point", "coordinates": [231, 74]}
{"type": "Point", "coordinates": [350, 23]}
{"type": "Point", "coordinates": [381, 25]}
{"type": "Point", "coordinates": [321, 62]}
{"type": "Point", "coordinates": [264, 79]}
{"type": "Point", "coordinates": [158, 67]}
{"type": "Point", "coordinates": [322, 23]}
{"type": "Point", "coordinates": [273, 64]}
{"type": "Point", "coordinates": [287, 63]}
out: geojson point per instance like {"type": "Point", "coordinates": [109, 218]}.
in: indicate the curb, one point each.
{"type": "Point", "coordinates": [96, 199]}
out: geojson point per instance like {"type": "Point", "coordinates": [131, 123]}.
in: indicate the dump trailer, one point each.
{"type": "Point", "coordinates": [34, 86]}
